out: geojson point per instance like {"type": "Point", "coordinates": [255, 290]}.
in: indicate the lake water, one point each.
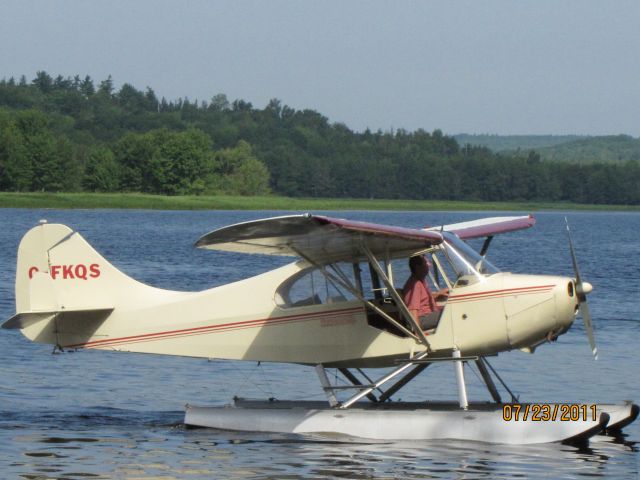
{"type": "Point", "coordinates": [116, 415]}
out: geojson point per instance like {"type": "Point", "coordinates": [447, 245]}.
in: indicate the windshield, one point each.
{"type": "Point", "coordinates": [464, 259]}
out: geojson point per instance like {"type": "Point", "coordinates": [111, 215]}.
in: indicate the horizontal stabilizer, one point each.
{"type": "Point", "coordinates": [24, 320]}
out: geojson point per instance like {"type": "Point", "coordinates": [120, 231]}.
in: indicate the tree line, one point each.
{"type": "Point", "coordinates": [73, 134]}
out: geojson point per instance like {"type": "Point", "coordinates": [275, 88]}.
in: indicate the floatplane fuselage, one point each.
{"type": "Point", "coordinates": [336, 306]}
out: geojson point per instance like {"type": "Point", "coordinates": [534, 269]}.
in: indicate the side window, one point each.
{"type": "Point", "coordinates": [310, 287]}
{"type": "Point", "coordinates": [401, 271]}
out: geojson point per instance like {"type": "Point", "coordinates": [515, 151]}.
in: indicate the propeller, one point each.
{"type": "Point", "coordinates": [582, 289]}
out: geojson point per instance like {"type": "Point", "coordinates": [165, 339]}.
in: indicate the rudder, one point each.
{"type": "Point", "coordinates": [57, 270]}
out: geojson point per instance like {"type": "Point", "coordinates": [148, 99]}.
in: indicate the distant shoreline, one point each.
{"type": "Point", "coordinates": [224, 202]}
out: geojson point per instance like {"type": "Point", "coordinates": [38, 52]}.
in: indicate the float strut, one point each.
{"type": "Point", "coordinates": [514, 398]}
{"type": "Point", "coordinates": [383, 380]}
{"type": "Point", "coordinates": [326, 385]}
{"type": "Point", "coordinates": [462, 389]}
{"type": "Point", "coordinates": [353, 379]}
{"type": "Point", "coordinates": [401, 383]}
{"type": "Point", "coordinates": [488, 380]}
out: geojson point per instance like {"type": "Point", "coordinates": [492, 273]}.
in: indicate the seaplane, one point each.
{"type": "Point", "coordinates": [336, 306]}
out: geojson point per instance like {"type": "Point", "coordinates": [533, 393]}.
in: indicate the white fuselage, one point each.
{"type": "Point", "coordinates": [243, 321]}
{"type": "Point", "coordinates": [249, 320]}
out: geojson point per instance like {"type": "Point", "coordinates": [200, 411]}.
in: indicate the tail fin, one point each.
{"type": "Point", "coordinates": [58, 272]}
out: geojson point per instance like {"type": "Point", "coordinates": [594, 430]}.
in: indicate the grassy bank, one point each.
{"type": "Point", "coordinates": [221, 202]}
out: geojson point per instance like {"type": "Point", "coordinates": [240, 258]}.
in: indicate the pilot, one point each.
{"type": "Point", "coordinates": [418, 297]}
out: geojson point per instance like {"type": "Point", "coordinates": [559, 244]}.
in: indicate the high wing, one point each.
{"type": "Point", "coordinates": [486, 227]}
{"type": "Point", "coordinates": [320, 239]}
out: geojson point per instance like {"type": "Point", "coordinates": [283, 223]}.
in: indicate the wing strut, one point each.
{"type": "Point", "coordinates": [485, 245]}
{"type": "Point", "coordinates": [396, 296]}
{"type": "Point", "coordinates": [347, 285]}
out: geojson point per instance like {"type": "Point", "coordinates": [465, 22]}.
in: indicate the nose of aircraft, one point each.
{"type": "Point", "coordinates": [586, 288]}
{"type": "Point", "coordinates": [543, 315]}
{"type": "Point", "coordinates": [570, 297]}
{"type": "Point", "coordinates": [582, 288]}
{"type": "Point", "coordinates": [567, 303]}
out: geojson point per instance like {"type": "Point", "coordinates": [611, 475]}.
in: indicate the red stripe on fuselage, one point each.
{"type": "Point", "coordinates": [499, 293]}
{"type": "Point", "coordinates": [214, 328]}
{"type": "Point", "coordinates": [485, 295]}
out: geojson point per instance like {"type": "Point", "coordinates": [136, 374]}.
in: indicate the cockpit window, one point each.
{"type": "Point", "coordinates": [465, 259]}
{"type": "Point", "coordinates": [311, 287]}
{"type": "Point", "coordinates": [458, 263]}
{"type": "Point", "coordinates": [453, 262]}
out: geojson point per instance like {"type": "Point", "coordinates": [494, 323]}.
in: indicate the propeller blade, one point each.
{"type": "Point", "coordinates": [586, 318]}
{"type": "Point", "coordinates": [573, 253]}
{"type": "Point", "coordinates": [582, 288]}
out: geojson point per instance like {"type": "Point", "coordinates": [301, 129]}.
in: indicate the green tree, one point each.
{"type": "Point", "coordinates": [180, 160]}
{"type": "Point", "coordinates": [45, 161]}
{"type": "Point", "coordinates": [133, 152]}
{"type": "Point", "coordinates": [239, 172]}
{"type": "Point", "coordinates": [15, 166]}
{"type": "Point", "coordinates": [102, 172]}
{"type": "Point", "coordinates": [87, 88]}
{"type": "Point", "coordinates": [106, 87]}
{"type": "Point", "coordinates": [165, 162]}
{"type": "Point", "coordinates": [43, 81]}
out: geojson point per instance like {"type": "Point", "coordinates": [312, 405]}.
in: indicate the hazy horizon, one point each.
{"type": "Point", "coordinates": [497, 67]}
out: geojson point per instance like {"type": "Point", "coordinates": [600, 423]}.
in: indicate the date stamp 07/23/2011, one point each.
{"type": "Point", "coordinates": [545, 412]}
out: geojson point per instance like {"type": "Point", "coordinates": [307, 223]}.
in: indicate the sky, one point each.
{"type": "Point", "coordinates": [492, 66]}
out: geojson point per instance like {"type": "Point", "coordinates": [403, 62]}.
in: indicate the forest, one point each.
{"type": "Point", "coordinates": [72, 134]}
{"type": "Point", "coordinates": [567, 148]}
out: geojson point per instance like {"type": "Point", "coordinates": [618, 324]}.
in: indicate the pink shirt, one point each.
{"type": "Point", "coordinates": [417, 296]}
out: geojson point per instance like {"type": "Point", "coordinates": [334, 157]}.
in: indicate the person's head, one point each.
{"type": "Point", "coordinates": [418, 266]}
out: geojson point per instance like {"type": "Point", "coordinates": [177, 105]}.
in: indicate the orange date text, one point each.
{"type": "Point", "coordinates": [546, 412]}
